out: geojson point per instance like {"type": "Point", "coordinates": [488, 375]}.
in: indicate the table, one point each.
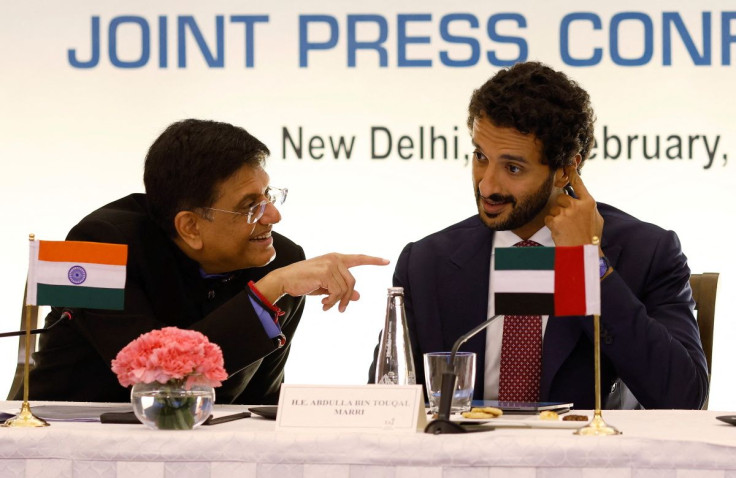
{"type": "Point", "coordinates": [655, 443]}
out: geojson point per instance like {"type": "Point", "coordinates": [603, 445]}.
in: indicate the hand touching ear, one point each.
{"type": "Point", "coordinates": [574, 222]}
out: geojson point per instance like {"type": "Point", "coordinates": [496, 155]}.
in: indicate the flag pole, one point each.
{"type": "Point", "coordinates": [597, 426]}
{"type": "Point", "coordinates": [26, 418]}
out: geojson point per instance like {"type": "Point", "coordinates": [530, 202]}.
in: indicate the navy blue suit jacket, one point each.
{"type": "Point", "coordinates": [649, 337]}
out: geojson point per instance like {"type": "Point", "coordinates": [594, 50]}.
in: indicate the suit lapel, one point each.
{"type": "Point", "coordinates": [560, 338]}
{"type": "Point", "coordinates": [464, 300]}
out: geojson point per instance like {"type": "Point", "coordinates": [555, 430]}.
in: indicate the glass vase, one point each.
{"type": "Point", "coordinates": [170, 406]}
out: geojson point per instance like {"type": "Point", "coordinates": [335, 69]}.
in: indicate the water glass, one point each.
{"type": "Point", "coordinates": [438, 363]}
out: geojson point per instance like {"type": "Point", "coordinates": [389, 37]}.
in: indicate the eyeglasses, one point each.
{"type": "Point", "coordinates": [275, 196]}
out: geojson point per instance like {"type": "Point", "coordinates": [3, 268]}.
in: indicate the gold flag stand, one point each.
{"type": "Point", "coordinates": [26, 418]}
{"type": "Point", "coordinates": [597, 426]}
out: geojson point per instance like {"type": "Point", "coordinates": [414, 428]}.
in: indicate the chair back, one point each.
{"type": "Point", "coordinates": [704, 293]}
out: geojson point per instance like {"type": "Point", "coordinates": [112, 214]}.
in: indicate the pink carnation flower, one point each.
{"type": "Point", "coordinates": [170, 354]}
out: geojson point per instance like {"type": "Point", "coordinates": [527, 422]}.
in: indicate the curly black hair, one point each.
{"type": "Point", "coordinates": [533, 98]}
{"type": "Point", "coordinates": [186, 164]}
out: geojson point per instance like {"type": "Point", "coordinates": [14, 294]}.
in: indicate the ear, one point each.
{"type": "Point", "coordinates": [562, 176]}
{"type": "Point", "coordinates": [186, 224]}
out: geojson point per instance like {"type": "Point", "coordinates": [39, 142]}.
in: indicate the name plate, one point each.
{"type": "Point", "coordinates": [381, 408]}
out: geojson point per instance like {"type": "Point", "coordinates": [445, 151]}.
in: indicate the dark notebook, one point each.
{"type": "Point", "coordinates": [524, 407]}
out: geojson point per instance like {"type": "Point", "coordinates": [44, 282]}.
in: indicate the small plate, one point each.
{"type": "Point", "coordinates": [730, 419]}
{"type": "Point", "coordinates": [268, 411]}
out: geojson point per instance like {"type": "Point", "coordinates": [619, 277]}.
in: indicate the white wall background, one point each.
{"type": "Point", "coordinates": [73, 139]}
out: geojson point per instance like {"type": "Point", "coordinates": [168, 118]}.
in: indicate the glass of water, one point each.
{"type": "Point", "coordinates": [437, 363]}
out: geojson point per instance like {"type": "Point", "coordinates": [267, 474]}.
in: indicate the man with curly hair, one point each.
{"type": "Point", "coordinates": [532, 128]}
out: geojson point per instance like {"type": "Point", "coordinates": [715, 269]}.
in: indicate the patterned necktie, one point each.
{"type": "Point", "coordinates": [521, 354]}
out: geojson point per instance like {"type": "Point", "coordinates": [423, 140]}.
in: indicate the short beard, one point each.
{"type": "Point", "coordinates": [522, 212]}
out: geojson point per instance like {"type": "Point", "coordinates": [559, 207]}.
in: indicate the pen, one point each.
{"type": "Point", "coordinates": [226, 418]}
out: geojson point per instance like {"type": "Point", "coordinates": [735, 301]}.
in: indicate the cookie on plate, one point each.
{"type": "Point", "coordinates": [548, 415]}
{"type": "Point", "coordinates": [483, 413]}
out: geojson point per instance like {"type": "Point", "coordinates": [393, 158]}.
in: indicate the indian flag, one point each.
{"type": "Point", "coordinates": [547, 281]}
{"type": "Point", "coordinates": [77, 274]}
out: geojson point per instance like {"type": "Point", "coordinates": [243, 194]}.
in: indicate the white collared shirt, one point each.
{"type": "Point", "coordinates": [494, 332]}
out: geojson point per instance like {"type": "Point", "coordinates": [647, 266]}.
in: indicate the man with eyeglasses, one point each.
{"type": "Point", "coordinates": [201, 255]}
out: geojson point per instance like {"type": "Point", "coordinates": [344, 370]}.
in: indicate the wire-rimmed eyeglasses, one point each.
{"type": "Point", "coordinates": [275, 196]}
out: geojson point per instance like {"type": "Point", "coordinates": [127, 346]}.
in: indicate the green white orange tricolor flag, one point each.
{"type": "Point", "coordinates": [77, 274]}
{"type": "Point", "coordinates": [547, 281]}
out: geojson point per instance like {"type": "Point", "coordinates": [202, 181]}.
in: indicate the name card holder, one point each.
{"type": "Point", "coordinates": [363, 408]}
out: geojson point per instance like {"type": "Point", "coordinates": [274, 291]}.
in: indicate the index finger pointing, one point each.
{"type": "Point", "coordinates": [577, 184]}
{"type": "Point", "coordinates": [352, 260]}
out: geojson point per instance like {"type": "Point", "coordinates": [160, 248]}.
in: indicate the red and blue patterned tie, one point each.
{"type": "Point", "coordinates": [521, 354]}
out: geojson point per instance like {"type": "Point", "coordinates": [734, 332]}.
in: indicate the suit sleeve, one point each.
{"type": "Point", "coordinates": [651, 338]}
{"type": "Point", "coordinates": [234, 326]}
{"type": "Point", "coordinates": [265, 384]}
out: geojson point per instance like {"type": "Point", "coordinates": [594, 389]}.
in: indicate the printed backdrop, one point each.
{"type": "Point", "coordinates": [363, 106]}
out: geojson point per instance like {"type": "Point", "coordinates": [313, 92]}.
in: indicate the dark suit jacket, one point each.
{"type": "Point", "coordinates": [163, 288]}
{"type": "Point", "coordinates": [649, 337]}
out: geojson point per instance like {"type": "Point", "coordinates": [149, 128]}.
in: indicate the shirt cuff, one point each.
{"type": "Point", "coordinates": [268, 314]}
{"type": "Point", "coordinates": [272, 330]}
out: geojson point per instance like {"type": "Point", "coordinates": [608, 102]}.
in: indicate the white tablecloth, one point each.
{"type": "Point", "coordinates": [672, 444]}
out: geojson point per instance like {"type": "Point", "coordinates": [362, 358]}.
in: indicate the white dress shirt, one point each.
{"type": "Point", "coordinates": [494, 332]}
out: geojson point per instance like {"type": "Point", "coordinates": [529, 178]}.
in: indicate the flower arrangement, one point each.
{"type": "Point", "coordinates": [171, 371]}
{"type": "Point", "coordinates": [170, 354]}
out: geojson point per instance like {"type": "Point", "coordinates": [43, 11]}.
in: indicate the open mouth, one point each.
{"type": "Point", "coordinates": [492, 207]}
{"type": "Point", "coordinates": [266, 236]}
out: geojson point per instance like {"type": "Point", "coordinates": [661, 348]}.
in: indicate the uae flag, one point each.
{"type": "Point", "coordinates": [77, 274]}
{"type": "Point", "coordinates": [547, 281]}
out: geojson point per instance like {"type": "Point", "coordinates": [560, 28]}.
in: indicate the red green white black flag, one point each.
{"type": "Point", "coordinates": [558, 281]}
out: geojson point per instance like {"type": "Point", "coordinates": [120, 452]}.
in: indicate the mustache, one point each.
{"type": "Point", "coordinates": [497, 198]}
